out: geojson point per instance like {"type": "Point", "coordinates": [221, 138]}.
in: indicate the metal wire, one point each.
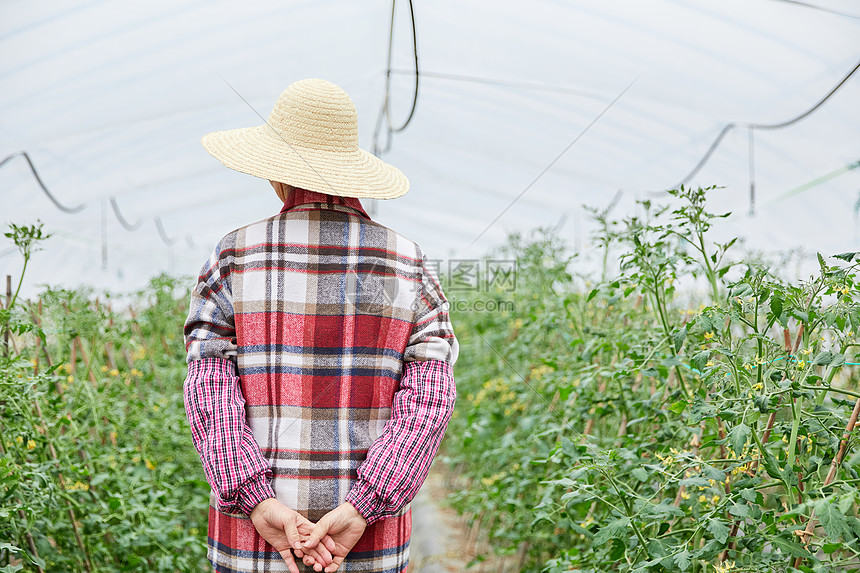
{"type": "Point", "coordinates": [122, 220]}
{"type": "Point", "coordinates": [41, 183]}
{"type": "Point", "coordinates": [385, 112]}
{"type": "Point", "coordinates": [730, 126]}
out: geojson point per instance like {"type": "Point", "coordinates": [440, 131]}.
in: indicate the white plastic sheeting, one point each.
{"type": "Point", "coordinates": [110, 100]}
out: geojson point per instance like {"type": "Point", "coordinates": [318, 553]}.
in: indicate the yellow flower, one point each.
{"type": "Point", "coordinates": [709, 364]}
{"type": "Point", "coordinates": [135, 459]}
{"type": "Point", "coordinates": [703, 498]}
{"type": "Point", "coordinates": [801, 364]}
{"type": "Point", "coordinates": [715, 499]}
{"type": "Point", "coordinates": [709, 335]}
{"type": "Point", "coordinates": [114, 372]}
{"type": "Point", "coordinates": [712, 482]}
{"type": "Point", "coordinates": [19, 440]}
{"type": "Point", "coordinates": [156, 408]}
{"type": "Point", "coordinates": [31, 444]}
{"type": "Point", "coordinates": [806, 351]}
{"type": "Point", "coordinates": [149, 464]}
{"type": "Point", "coordinates": [724, 567]}
{"type": "Point", "coordinates": [685, 495]}
{"type": "Point", "coordinates": [78, 486]}
{"type": "Point", "coordinates": [588, 521]}
{"type": "Point", "coordinates": [104, 368]}
{"type": "Point", "coordinates": [136, 372]}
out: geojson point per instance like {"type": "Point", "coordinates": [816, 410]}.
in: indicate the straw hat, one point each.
{"type": "Point", "coordinates": [309, 141]}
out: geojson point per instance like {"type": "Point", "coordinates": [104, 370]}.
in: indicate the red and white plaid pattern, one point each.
{"type": "Point", "coordinates": [320, 370]}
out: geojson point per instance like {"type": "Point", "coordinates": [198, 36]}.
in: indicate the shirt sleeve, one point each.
{"type": "Point", "coordinates": [398, 461]}
{"type": "Point", "coordinates": [235, 468]}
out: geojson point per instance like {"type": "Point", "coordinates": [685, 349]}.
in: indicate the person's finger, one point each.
{"type": "Point", "coordinates": [320, 530]}
{"type": "Point", "coordinates": [329, 544]}
{"type": "Point", "coordinates": [287, 556]}
{"type": "Point", "coordinates": [323, 558]}
{"type": "Point", "coordinates": [292, 532]}
{"type": "Point", "coordinates": [322, 553]}
{"type": "Point", "coordinates": [334, 566]}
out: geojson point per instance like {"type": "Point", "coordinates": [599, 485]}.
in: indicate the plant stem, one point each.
{"type": "Point", "coordinates": [629, 513]}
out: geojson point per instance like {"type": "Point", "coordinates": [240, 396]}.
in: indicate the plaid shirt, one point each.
{"type": "Point", "coordinates": [320, 358]}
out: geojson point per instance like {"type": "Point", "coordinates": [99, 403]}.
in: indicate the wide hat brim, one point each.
{"type": "Point", "coordinates": [262, 152]}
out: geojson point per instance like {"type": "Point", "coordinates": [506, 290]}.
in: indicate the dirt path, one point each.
{"type": "Point", "coordinates": [440, 537]}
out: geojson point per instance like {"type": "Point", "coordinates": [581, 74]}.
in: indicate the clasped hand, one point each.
{"type": "Point", "coordinates": [322, 545]}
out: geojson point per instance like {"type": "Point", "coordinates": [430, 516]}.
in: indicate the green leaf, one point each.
{"type": "Point", "coordinates": [832, 520]}
{"type": "Point", "coordinates": [713, 473]}
{"type": "Point", "coordinates": [831, 547]}
{"type": "Point", "coordinates": [847, 256]}
{"type": "Point", "coordinates": [771, 466]}
{"type": "Point", "coordinates": [678, 407]}
{"type": "Point", "coordinates": [678, 338]}
{"type": "Point", "coordinates": [615, 529]}
{"type": "Point", "coordinates": [776, 305]}
{"type": "Point", "coordinates": [790, 547]}
{"type": "Point", "coordinates": [718, 529]}
{"type": "Point", "coordinates": [695, 481]}
{"type": "Point", "coordinates": [748, 494]}
{"type": "Point", "coordinates": [738, 438]}
{"type": "Point", "coordinates": [823, 359]}
{"type": "Point", "coordinates": [739, 510]}
{"type": "Point", "coordinates": [665, 509]}
{"type": "Point", "coordinates": [640, 473]}
{"type": "Point", "coordinates": [682, 560]}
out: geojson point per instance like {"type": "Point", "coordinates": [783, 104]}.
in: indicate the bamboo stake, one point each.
{"type": "Point", "coordinates": [771, 419]}
{"type": "Point", "coordinates": [62, 482]}
{"type": "Point", "coordinates": [831, 475]}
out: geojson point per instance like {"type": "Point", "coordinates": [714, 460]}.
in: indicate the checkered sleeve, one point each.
{"type": "Point", "coordinates": [210, 330]}
{"type": "Point", "coordinates": [234, 466]}
{"type": "Point", "coordinates": [398, 461]}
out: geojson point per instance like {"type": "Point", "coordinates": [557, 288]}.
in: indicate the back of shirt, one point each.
{"type": "Point", "coordinates": [320, 307]}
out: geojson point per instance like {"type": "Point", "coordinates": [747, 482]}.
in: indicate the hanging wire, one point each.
{"type": "Point", "coordinates": [122, 220]}
{"type": "Point", "coordinates": [821, 8]}
{"type": "Point", "coordinates": [41, 183]}
{"type": "Point", "coordinates": [752, 170]}
{"type": "Point", "coordinates": [161, 232]}
{"type": "Point", "coordinates": [730, 126]}
{"type": "Point", "coordinates": [385, 112]}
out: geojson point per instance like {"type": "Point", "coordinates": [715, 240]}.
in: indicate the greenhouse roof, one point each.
{"type": "Point", "coordinates": [525, 112]}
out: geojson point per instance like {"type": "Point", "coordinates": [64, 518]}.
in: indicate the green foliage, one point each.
{"type": "Point", "coordinates": [97, 464]}
{"type": "Point", "coordinates": [609, 427]}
